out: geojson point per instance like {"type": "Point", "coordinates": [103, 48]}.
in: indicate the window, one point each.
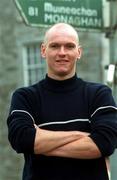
{"type": "Point", "coordinates": [34, 65]}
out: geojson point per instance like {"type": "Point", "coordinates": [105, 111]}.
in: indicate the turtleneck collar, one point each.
{"type": "Point", "coordinates": [60, 85]}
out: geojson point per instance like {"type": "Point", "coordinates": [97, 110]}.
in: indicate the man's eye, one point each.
{"type": "Point", "coordinates": [54, 46]}
{"type": "Point", "coordinates": [70, 46]}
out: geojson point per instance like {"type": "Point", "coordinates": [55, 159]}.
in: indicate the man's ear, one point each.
{"type": "Point", "coordinates": [79, 52]}
{"type": "Point", "coordinates": [43, 50]}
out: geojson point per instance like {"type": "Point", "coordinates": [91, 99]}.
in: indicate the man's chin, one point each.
{"type": "Point", "coordinates": [62, 73]}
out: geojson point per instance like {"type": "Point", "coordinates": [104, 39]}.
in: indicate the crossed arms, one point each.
{"type": "Point", "coordinates": [72, 144]}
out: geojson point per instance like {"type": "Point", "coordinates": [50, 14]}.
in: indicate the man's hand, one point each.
{"type": "Point", "coordinates": [47, 141]}
{"type": "Point", "coordinates": [83, 148]}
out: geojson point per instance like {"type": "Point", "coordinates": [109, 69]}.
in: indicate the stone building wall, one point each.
{"type": "Point", "coordinates": [8, 67]}
{"type": "Point", "coordinates": [13, 35]}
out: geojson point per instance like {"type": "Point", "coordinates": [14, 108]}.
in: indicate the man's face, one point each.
{"type": "Point", "coordinates": [61, 52]}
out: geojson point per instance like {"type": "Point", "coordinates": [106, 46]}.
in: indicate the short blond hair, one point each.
{"type": "Point", "coordinates": [60, 26]}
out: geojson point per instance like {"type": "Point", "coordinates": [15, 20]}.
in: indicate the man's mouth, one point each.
{"type": "Point", "coordinates": [62, 61]}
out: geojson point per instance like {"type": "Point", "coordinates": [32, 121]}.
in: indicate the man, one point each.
{"type": "Point", "coordinates": [64, 126]}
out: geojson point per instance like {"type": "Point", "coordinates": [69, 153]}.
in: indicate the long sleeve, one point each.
{"type": "Point", "coordinates": [21, 131]}
{"type": "Point", "coordinates": [104, 121]}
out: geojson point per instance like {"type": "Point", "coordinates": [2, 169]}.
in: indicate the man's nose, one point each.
{"type": "Point", "coordinates": [62, 50]}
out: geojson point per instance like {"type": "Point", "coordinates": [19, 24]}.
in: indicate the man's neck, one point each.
{"type": "Point", "coordinates": [60, 77]}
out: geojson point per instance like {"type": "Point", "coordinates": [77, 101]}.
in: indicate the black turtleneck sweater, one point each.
{"type": "Point", "coordinates": [72, 104]}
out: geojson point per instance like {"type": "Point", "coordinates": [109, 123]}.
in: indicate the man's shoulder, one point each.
{"type": "Point", "coordinates": [95, 86]}
{"type": "Point", "coordinates": [27, 89]}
